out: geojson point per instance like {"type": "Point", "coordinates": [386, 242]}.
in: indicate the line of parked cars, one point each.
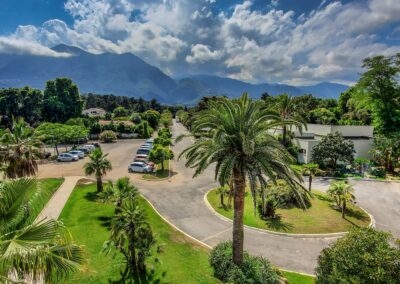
{"type": "Point", "coordinates": [77, 153]}
{"type": "Point", "coordinates": [141, 163]}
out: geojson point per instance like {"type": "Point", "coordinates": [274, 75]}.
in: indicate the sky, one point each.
{"type": "Point", "coordinates": [276, 41]}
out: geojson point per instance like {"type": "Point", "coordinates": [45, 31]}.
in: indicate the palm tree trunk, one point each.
{"type": "Point", "coordinates": [222, 199]}
{"type": "Point", "coordinates": [238, 234]}
{"type": "Point", "coordinates": [99, 184]}
{"type": "Point", "coordinates": [309, 182]}
{"type": "Point", "coordinates": [284, 136]}
{"type": "Point", "coordinates": [343, 208]}
{"type": "Point", "coordinates": [263, 205]}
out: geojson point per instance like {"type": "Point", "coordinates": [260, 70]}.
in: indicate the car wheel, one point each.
{"type": "Point", "coordinates": [130, 171]}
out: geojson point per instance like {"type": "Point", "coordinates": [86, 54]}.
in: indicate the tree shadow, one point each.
{"type": "Point", "coordinates": [148, 278]}
{"type": "Point", "coordinates": [91, 196]}
{"type": "Point", "coordinates": [323, 197]}
{"type": "Point", "coordinates": [278, 225]}
{"type": "Point", "coordinates": [105, 221]}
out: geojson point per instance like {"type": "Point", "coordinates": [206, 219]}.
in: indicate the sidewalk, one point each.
{"type": "Point", "coordinates": [57, 202]}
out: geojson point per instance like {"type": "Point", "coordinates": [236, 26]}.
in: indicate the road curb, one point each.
{"type": "Point", "coordinates": [303, 236]}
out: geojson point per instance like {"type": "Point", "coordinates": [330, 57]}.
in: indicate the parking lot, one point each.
{"type": "Point", "coordinates": [120, 154]}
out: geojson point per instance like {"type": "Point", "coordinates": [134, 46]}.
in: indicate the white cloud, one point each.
{"type": "Point", "coordinates": [183, 36]}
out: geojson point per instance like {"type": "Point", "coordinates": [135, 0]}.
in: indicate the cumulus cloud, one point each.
{"type": "Point", "coordinates": [181, 36]}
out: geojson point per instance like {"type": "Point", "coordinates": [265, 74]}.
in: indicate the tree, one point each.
{"type": "Point", "coordinates": [153, 117]}
{"type": "Point", "coordinates": [332, 149]}
{"type": "Point", "coordinates": [132, 236]}
{"type": "Point", "coordinates": [99, 165]}
{"type": "Point", "coordinates": [235, 135]}
{"type": "Point", "coordinates": [342, 193]}
{"type": "Point", "coordinates": [362, 256]}
{"type": "Point", "coordinates": [386, 151]}
{"type": "Point", "coordinates": [19, 150]}
{"type": "Point", "coordinates": [108, 136]}
{"type": "Point", "coordinates": [380, 85]}
{"type": "Point", "coordinates": [122, 189]}
{"type": "Point", "coordinates": [120, 111]}
{"type": "Point", "coordinates": [289, 116]}
{"type": "Point", "coordinates": [42, 250]}
{"type": "Point", "coordinates": [61, 100]}
{"type": "Point", "coordinates": [311, 170]}
{"type": "Point", "coordinates": [323, 116]}
{"type": "Point", "coordinates": [159, 154]}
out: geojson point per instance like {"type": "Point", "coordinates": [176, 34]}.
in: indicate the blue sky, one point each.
{"type": "Point", "coordinates": [286, 41]}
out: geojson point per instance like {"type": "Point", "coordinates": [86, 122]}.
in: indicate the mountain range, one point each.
{"type": "Point", "coordinates": [128, 75]}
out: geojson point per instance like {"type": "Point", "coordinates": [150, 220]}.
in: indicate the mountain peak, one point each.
{"type": "Point", "coordinates": [68, 49]}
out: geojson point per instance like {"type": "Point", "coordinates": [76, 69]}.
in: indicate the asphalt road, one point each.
{"type": "Point", "coordinates": [180, 201]}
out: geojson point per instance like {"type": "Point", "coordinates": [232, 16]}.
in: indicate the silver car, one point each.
{"type": "Point", "coordinates": [80, 154]}
{"type": "Point", "coordinates": [67, 157]}
{"type": "Point", "coordinates": [139, 167]}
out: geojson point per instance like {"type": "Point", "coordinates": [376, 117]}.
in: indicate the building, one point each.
{"type": "Point", "coordinates": [361, 136]}
{"type": "Point", "coordinates": [94, 112]}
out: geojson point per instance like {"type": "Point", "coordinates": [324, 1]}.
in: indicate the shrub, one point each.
{"type": "Point", "coordinates": [377, 171]}
{"type": "Point", "coordinates": [286, 197]}
{"type": "Point", "coordinates": [363, 256]}
{"type": "Point", "coordinates": [108, 136]}
{"type": "Point", "coordinates": [254, 270]}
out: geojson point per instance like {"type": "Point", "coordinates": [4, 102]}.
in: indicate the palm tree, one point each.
{"type": "Point", "coordinates": [32, 250]}
{"type": "Point", "coordinates": [99, 166]}
{"type": "Point", "coordinates": [122, 189]}
{"type": "Point", "coordinates": [341, 192]}
{"type": "Point", "coordinates": [236, 136]}
{"type": "Point", "coordinates": [311, 170]}
{"type": "Point", "coordinates": [19, 150]}
{"type": "Point", "coordinates": [289, 115]}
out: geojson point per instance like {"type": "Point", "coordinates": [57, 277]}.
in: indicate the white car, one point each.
{"type": "Point", "coordinates": [80, 154]}
{"type": "Point", "coordinates": [139, 167]}
{"type": "Point", "coordinates": [151, 140]}
{"type": "Point", "coordinates": [145, 147]}
{"type": "Point", "coordinates": [90, 147]}
{"type": "Point", "coordinates": [67, 157]}
{"type": "Point", "coordinates": [143, 151]}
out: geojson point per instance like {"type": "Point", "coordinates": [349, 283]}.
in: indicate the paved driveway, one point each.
{"type": "Point", "coordinates": [180, 200]}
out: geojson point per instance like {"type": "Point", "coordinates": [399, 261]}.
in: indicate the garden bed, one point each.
{"type": "Point", "coordinates": [159, 174]}
{"type": "Point", "coordinates": [320, 218]}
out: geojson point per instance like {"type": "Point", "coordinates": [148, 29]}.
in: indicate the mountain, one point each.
{"type": "Point", "coordinates": [128, 75]}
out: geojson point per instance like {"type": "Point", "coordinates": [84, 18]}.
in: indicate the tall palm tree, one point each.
{"type": "Point", "coordinates": [30, 250]}
{"type": "Point", "coordinates": [99, 165]}
{"type": "Point", "coordinates": [311, 170]}
{"type": "Point", "coordinates": [342, 192]}
{"type": "Point", "coordinates": [289, 115]}
{"type": "Point", "coordinates": [236, 136]}
{"type": "Point", "coordinates": [19, 150]}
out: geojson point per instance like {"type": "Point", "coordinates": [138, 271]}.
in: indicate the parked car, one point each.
{"type": "Point", "coordinates": [143, 151]}
{"type": "Point", "coordinates": [67, 157]}
{"type": "Point", "coordinates": [150, 140]}
{"type": "Point", "coordinates": [80, 154]}
{"type": "Point", "coordinates": [145, 147]}
{"type": "Point", "coordinates": [95, 144]}
{"type": "Point", "coordinates": [139, 167]}
{"type": "Point", "coordinates": [84, 150]}
{"type": "Point", "coordinates": [89, 146]}
{"type": "Point", "coordinates": [144, 160]}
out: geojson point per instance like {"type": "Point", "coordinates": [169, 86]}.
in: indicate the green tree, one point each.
{"type": "Point", "coordinates": [61, 100]}
{"type": "Point", "coordinates": [19, 150]}
{"type": "Point", "coordinates": [386, 151]}
{"type": "Point", "coordinates": [159, 154]}
{"type": "Point", "coordinates": [323, 116]}
{"type": "Point", "coordinates": [153, 117]}
{"type": "Point", "coordinates": [379, 81]}
{"type": "Point", "coordinates": [311, 170]}
{"type": "Point", "coordinates": [108, 136]}
{"type": "Point", "coordinates": [342, 193]}
{"type": "Point", "coordinates": [44, 249]}
{"type": "Point", "coordinates": [362, 256]}
{"type": "Point", "coordinates": [235, 135]}
{"type": "Point", "coordinates": [120, 111]}
{"type": "Point", "coordinates": [332, 149]}
{"type": "Point", "coordinates": [289, 115]}
{"type": "Point", "coordinates": [132, 236]}
{"type": "Point", "coordinates": [99, 165]}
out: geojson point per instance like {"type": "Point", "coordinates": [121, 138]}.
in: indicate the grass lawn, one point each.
{"type": "Point", "coordinates": [321, 217]}
{"type": "Point", "coordinates": [50, 185]}
{"type": "Point", "coordinates": [296, 278]}
{"type": "Point", "coordinates": [159, 174]}
{"type": "Point", "coordinates": [181, 261]}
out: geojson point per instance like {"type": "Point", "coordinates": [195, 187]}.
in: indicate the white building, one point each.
{"type": "Point", "coordinates": [94, 112]}
{"type": "Point", "coordinates": [361, 136]}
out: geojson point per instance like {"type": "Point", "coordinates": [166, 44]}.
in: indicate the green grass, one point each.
{"type": "Point", "coordinates": [181, 261]}
{"type": "Point", "coordinates": [296, 278]}
{"type": "Point", "coordinates": [159, 174]}
{"type": "Point", "coordinates": [321, 217]}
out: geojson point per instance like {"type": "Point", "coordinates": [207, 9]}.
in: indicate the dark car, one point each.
{"type": "Point", "coordinates": [95, 144]}
{"type": "Point", "coordinates": [143, 151]}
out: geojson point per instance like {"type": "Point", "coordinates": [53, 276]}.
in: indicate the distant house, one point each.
{"type": "Point", "coordinates": [361, 136]}
{"type": "Point", "coordinates": [94, 112]}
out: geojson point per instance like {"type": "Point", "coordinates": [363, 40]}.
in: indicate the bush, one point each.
{"type": "Point", "coordinates": [377, 171]}
{"type": "Point", "coordinates": [254, 270]}
{"type": "Point", "coordinates": [286, 197]}
{"type": "Point", "coordinates": [108, 136]}
{"type": "Point", "coordinates": [363, 256]}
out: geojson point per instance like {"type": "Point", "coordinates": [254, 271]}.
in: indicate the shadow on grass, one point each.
{"type": "Point", "coordinates": [323, 197]}
{"type": "Point", "coordinates": [91, 196]}
{"type": "Point", "coordinates": [105, 221]}
{"type": "Point", "coordinates": [148, 278]}
{"type": "Point", "coordinates": [278, 225]}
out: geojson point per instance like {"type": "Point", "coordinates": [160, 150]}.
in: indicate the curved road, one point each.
{"type": "Point", "coordinates": [180, 201]}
